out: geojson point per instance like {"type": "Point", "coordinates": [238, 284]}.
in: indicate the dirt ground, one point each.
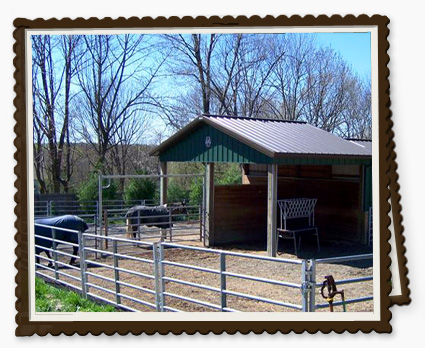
{"type": "Point", "coordinates": [251, 267]}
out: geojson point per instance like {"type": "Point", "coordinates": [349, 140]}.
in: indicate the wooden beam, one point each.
{"type": "Point", "coordinates": [272, 210]}
{"type": "Point", "coordinates": [209, 205]}
{"type": "Point", "coordinates": [163, 183]}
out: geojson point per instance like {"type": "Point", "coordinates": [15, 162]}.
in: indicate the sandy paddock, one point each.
{"type": "Point", "coordinates": [265, 269]}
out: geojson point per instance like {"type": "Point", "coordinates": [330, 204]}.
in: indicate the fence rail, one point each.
{"type": "Point", "coordinates": [111, 278]}
{"type": "Point", "coordinates": [83, 207]}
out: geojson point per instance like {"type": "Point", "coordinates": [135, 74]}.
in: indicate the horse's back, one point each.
{"type": "Point", "coordinates": [70, 222]}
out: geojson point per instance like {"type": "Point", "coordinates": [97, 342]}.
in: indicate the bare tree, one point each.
{"type": "Point", "coordinates": [114, 80]}
{"type": "Point", "coordinates": [285, 76]}
{"type": "Point", "coordinates": [326, 90]}
{"type": "Point", "coordinates": [38, 138]}
{"type": "Point", "coordinates": [196, 52]}
{"type": "Point", "coordinates": [230, 72]}
{"type": "Point", "coordinates": [289, 76]}
{"type": "Point", "coordinates": [53, 69]}
{"type": "Point", "coordinates": [357, 114]}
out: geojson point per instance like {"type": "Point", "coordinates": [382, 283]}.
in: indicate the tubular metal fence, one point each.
{"type": "Point", "coordinates": [83, 207]}
{"type": "Point", "coordinates": [177, 225]}
{"type": "Point", "coordinates": [152, 279]}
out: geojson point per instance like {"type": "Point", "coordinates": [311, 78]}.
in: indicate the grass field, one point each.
{"type": "Point", "coordinates": [51, 299]}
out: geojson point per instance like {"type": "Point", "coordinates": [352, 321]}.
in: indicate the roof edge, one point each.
{"type": "Point", "coordinates": [254, 118]}
{"type": "Point", "coordinates": [204, 119]}
{"type": "Point", "coordinates": [155, 151]}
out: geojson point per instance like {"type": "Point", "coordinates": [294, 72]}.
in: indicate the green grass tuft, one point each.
{"type": "Point", "coordinates": [51, 299]}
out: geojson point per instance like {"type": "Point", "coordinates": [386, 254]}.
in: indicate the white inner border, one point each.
{"type": "Point", "coordinates": [275, 316]}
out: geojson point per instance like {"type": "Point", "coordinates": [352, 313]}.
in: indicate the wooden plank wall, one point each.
{"type": "Point", "coordinates": [338, 213]}
{"type": "Point", "coordinates": [240, 213]}
{"type": "Point", "coordinates": [241, 210]}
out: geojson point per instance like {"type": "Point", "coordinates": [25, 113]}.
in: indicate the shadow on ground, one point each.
{"type": "Point", "coordinates": [308, 250]}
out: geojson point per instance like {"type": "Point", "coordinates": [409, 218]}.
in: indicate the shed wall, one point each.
{"type": "Point", "coordinates": [240, 214]}
{"type": "Point", "coordinates": [338, 211]}
{"type": "Point", "coordinates": [241, 210]}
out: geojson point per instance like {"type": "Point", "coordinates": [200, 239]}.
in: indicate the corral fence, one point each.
{"type": "Point", "coordinates": [143, 276]}
{"type": "Point", "coordinates": [181, 223]}
{"type": "Point", "coordinates": [82, 207]}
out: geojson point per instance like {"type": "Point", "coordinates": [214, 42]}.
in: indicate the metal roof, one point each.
{"type": "Point", "coordinates": [366, 144]}
{"type": "Point", "coordinates": [276, 138]}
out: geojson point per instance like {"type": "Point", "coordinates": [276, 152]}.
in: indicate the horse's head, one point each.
{"type": "Point", "coordinates": [183, 207]}
{"type": "Point", "coordinates": [178, 208]}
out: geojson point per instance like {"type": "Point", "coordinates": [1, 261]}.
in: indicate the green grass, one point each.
{"type": "Point", "coordinates": [51, 299]}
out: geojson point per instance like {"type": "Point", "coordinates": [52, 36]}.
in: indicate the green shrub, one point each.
{"type": "Point", "coordinates": [176, 192]}
{"type": "Point", "coordinates": [89, 192]}
{"type": "Point", "coordinates": [231, 175]}
{"type": "Point", "coordinates": [196, 191]}
{"type": "Point", "coordinates": [138, 189]}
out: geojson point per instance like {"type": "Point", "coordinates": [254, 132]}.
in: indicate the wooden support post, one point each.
{"type": "Point", "coordinates": [209, 206]}
{"type": "Point", "coordinates": [163, 184]}
{"type": "Point", "coordinates": [272, 210]}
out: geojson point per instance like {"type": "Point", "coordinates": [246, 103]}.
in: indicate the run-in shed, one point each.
{"type": "Point", "coordinates": [281, 159]}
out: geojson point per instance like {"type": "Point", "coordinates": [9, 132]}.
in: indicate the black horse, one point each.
{"type": "Point", "coordinates": [158, 216]}
{"type": "Point", "coordinates": [70, 222]}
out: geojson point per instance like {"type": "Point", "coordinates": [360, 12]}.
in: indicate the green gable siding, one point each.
{"type": "Point", "coordinates": [223, 148]}
{"type": "Point", "coordinates": [227, 149]}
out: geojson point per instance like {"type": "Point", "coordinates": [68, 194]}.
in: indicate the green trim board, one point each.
{"type": "Point", "coordinates": [205, 143]}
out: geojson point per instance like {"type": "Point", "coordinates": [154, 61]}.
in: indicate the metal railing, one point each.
{"type": "Point", "coordinates": [355, 280]}
{"type": "Point", "coordinates": [224, 274]}
{"type": "Point", "coordinates": [152, 279]}
{"type": "Point", "coordinates": [175, 226]}
{"type": "Point", "coordinates": [82, 207]}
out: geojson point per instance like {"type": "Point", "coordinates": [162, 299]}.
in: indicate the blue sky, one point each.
{"type": "Point", "coordinates": [353, 47]}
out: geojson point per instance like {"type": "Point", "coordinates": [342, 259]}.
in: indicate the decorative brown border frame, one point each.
{"type": "Point", "coordinates": [398, 229]}
{"type": "Point", "coordinates": [26, 327]}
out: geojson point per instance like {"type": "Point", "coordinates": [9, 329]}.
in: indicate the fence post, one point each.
{"type": "Point", "coordinates": [161, 274]}
{"type": "Point", "coordinates": [55, 255]}
{"type": "Point", "coordinates": [105, 223]}
{"type": "Point", "coordinates": [312, 300]}
{"type": "Point", "coordinates": [170, 221]}
{"type": "Point", "coordinates": [138, 224]}
{"type": "Point", "coordinates": [308, 285]}
{"type": "Point", "coordinates": [158, 274]}
{"type": "Point", "coordinates": [116, 273]}
{"type": "Point", "coordinates": [223, 296]}
{"type": "Point", "coordinates": [96, 215]}
{"type": "Point", "coordinates": [82, 252]}
{"type": "Point", "coordinates": [200, 222]}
